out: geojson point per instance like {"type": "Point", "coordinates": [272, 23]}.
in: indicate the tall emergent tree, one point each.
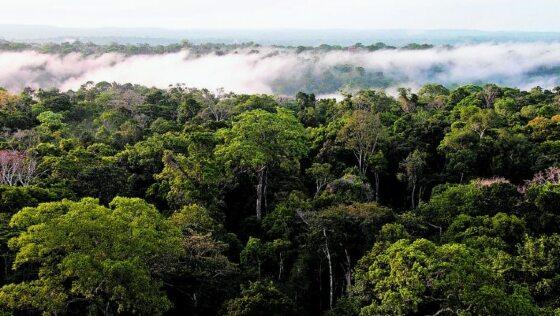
{"type": "Point", "coordinates": [413, 166]}
{"type": "Point", "coordinates": [258, 141]}
{"type": "Point", "coordinates": [362, 133]}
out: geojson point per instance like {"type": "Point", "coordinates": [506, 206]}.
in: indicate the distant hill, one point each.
{"type": "Point", "coordinates": [158, 36]}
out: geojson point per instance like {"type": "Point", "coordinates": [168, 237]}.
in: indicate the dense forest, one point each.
{"type": "Point", "coordinates": [90, 48]}
{"type": "Point", "coordinates": [124, 199]}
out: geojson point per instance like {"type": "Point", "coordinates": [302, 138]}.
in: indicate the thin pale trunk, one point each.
{"type": "Point", "coordinates": [320, 285]}
{"type": "Point", "coordinates": [259, 208]}
{"type": "Point", "coordinates": [437, 227]}
{"type": "Point", "coordinates": [348, 274]}
{"type": "Point", "coordinates": [360, 161]}
{"type": "Point", "coordinates": [412, 195]}
{"type": "Point", "coordinates": [107, 311]}
{"type": "Point", "coordinates": [265, 187]}
{"type": "Point", "coordinates": [261, 187]}
{"type": "Point", "coordinates": [376, 186]}
{"type": "Point", "coordinates": [281, 269]}
{"type": "Point", "coordinates": [329, 260]}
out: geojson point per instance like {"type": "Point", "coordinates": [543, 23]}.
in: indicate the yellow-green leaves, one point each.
{"type": "Point", "coordinates": [106, 257]}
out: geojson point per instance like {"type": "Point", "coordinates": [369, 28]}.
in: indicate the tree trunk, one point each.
{"type": "Point", "coordinates": [376, 174]}
{"type": "Point", "coordinates": [265, 187]}
{"type": "Point", "coordinates": [348, 274]}
{"type": "Point", "coordinates": [195, 303]}
{"type": "Point", "coordinates": [281, 269]}
{"type": "Point", "coordinates": [108, 311]}
{"type": "Point", "coordinates": [320, 285]}
{"type": "Point", "coordinates": [361, 162]}
{"type": "Point", "coordinates": [261, 191]}
{"type": "Point", "coordinates": [328, 253]}
{"type": "Point", "coordinates": [412, 195]}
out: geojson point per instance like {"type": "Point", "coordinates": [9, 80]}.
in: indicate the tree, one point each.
{"type": "Point", "coordinates": [539, 267]}
{"type": "Point", "coordinates": [361, 133]}
{"type": "Point", "coordinates": [433, 95]}
{"type": "Point", "coordinates": [378, 164]}
{"type": "Point", "coordinates": [50, 121]}
{"type": "Point", "coordinates": [220, 110]}
{"type": "Point", "coordinates": [413, 167]}
{"type": "Point", "coordinates": [478, 198]}
{"type": "Point", "coordinates": [257, 256]}
{"type": "Point", "coordinates": [423, 278]}
{"type": "Point", "coordinates": [192, 173]}
{"type": "Point", "coordinates": [321, 173]}
{"type": "Point", "coordinates": [54, 100]}
{"type": "Point", "coordinates": [481, 121]}
{"type": "Point", "coordinates": [90, 257]}
{"type": "Point", "coordinates": [341, 234]}
{"type": "Point", "coordinates": [90, 171]}
{"type": "Point", "coordinates": [501, 231]}
{"type": "Point", "coordinates": [17, 168]}
{"type": "Point", "coordinates": [407, 99]}
{"type": "Point", "coordinates": [261, 298]}
{"type": "Point", "coordinates": [543, 203]}
{"type": "Point", "coordinates": [258, 141]}
{"type": "Point", "coordinates": [13, 199]}
{"type": "Point", "coordinates": [263, 102]}
{"type": "Point", "coordinates": [489, 93]}
{"type": "Point", "coordinates": [205, 275]}
{"type": "Point", "coordinates": [468, 145]}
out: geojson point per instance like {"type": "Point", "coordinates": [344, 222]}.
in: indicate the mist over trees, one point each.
{"type": "Point", "coordinates": [125, 199]}
{"type": "Point", "coordinates": [324, 70]}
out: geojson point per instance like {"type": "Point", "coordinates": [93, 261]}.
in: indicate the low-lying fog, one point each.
{"type": "Point", "coordinates": [285, 71]}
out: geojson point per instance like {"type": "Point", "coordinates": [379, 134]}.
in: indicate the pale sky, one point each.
{"type": "Point", "coordinates": [491, 15]}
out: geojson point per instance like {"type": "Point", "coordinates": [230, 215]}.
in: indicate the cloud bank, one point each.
{"type": "Point", "coordinates": [285, 71]}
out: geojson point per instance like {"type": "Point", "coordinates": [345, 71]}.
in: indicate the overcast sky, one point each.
{"type": "Point", "coordinates": [492, 15]}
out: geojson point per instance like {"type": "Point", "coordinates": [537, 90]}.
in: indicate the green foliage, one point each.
{"type": "Point", "coordinates": [12, 199]}
{"type": "Point", "coordinates": [193, 174]}
{"type": "Point", "coordinates": [259, 138]}
{"type": "Point", "coordinates": [205, 274]}
{"type": "Point", "coordinates": [260, 299]}
{"type": "Point", "coordinates": [465, 182]}
{"type": "Point", "coordinates": [477, 198]}
{"type": "Point", "coordinates": [539, 266]}
{"type": "Point", "coordinates": [111, 259]}
{"type": "Point", "coordinates": [500, 231]}
{"type": "Point", "coordinates": [420, 277]}
{"type": "Point", "coordinates": [362, 134]}
{"type": "Point", "coordinates": [50, 121]}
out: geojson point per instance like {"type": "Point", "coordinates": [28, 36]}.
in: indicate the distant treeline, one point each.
{"type": "Point", "coordinates": [89, 48]}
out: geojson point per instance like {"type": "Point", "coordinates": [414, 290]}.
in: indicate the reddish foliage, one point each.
{"type": "Point", "coordinates": [16, 167]}
{"type": "Point", "coordinates": [550, 175]}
